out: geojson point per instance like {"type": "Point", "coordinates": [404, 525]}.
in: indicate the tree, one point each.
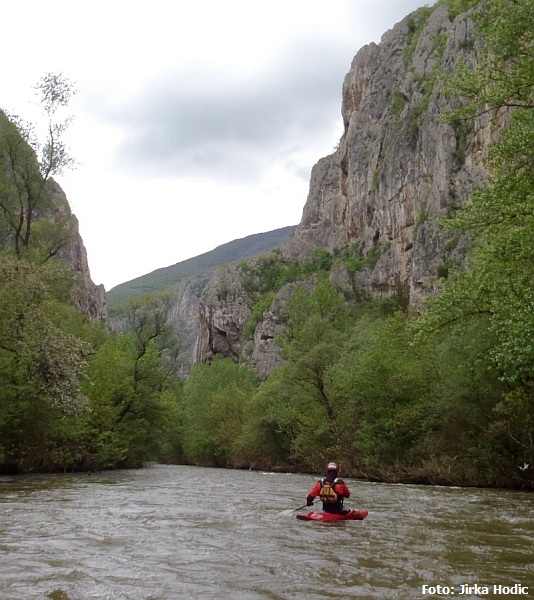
{"type": "Point", "coordinates": [149, 323]}
{"type": "Point", "coordinates": [137, 376]}
{"type": "Point", "coordinates": [46, 362]}
{"type": "Point", "coordinates": [504, 75]}
{"type": "Point", "coordinates": [271, 418]}
{"type": "Point", "coordinates": [134, 391]}
{"type": "Point", "coordinates": [386, 388]}
{"type": "Point", "coordinates": [300, 414]}
{"type": "Point", "coordinates": [500, 217]}
{"type": "Point", "coordinates": [214, 399]}
{"type": "Point", "coordinates": [55, 92]}
{"type": "Point", "coordinates": [41, 363]}
{"type": "Point", "coordinates": [313, 340]}
{"type": "Point", "coordinates": [26, 168]}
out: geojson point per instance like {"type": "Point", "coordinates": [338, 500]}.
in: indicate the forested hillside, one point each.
{"type": "Point", "coordinates": [166, 277]}
{"type": "Point", "coordinates": [436, 392]}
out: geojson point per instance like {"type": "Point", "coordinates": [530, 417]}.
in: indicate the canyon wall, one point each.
{"type": "Point", "coordinates": [398, 169]}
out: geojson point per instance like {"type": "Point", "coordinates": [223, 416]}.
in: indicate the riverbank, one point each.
{"type": "Point", "coordinates": [431, 473]}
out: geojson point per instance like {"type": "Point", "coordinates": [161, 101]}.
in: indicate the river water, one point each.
{"type": "Point", "coordinates": [175, 532]}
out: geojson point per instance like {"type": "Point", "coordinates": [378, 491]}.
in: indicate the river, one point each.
{"type": "Point", "coordinates": [175, 532]}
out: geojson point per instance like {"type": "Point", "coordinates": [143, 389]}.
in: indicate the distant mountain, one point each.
{"type": "Point", "coordinates": [163, 278]}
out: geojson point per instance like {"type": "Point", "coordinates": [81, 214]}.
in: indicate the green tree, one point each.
{"type": "Point", "coordinates": [107, 436]}
{"type": "Point", "coordinates": [271, 420]}
{"type": "Point", "coordinates": [41, 364]}
{"type": "Point", "coordinates": [459, 442]}
{"type": "Point", "coordinates": [300, 421]}
{"type": "Point", "coordinates": [133, 389]}
{"type": "Point", "coordinates": [500, 218]}
{"type": "Point", "coordinates": [46, 362]}
{"type": "Point", "coordinates": [386, 389]}
{"type": "Point", "coordinates": [54, 92]}
{"type": "Point", "coordinates": [511, 426]}
{"type": "Point", "coordinates": [324, 301]}
{"type": "Point", "coordinates": [26, 167]}
{"type": "Point", "coordinates": [214, 399]}
{"type": "Point", "coordinates": [504, 72]}
{"type": "Point", "coordinates": [150, 325]}
{"type": "Point", "coordinates": [313, 340]}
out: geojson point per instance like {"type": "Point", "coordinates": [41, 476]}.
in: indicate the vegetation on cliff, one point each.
{"type": "Point", "coordinates": [445, 396]}
{"type": "Point", "coordinates": [167, 277]}
{"type": "Point", "coordinates": [72, 395]}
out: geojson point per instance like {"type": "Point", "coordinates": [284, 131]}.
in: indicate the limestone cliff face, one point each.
{"type": "Point", "coordinates": [263, 354]}
{"type": "Point", "coordinates": [224, 310]}
{"type": "Point", "coordinates": [88, 297]}
{"type": "Point", "coordinates": [185, 315]}
{"type": "Point", "coordinates": [397, 170]}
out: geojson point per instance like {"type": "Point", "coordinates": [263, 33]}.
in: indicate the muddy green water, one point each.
{"type": "Point", "coordinates": [174, 532]}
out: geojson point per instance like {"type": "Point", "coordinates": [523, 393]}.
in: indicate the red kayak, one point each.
{"type": "Point", "coordinates": [351, 515]}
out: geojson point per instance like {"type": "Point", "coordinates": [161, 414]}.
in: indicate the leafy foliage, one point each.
{"type": "Point", "coordinates": [500, 218]}
{"type": "Point", "coordinates": [444, 397]}
{"type": "Point", "coordinates": [72, 396]}
{"type": "Point", "coordinates": [54, 92]}
{"type": "Point", "coordinates": [458, 6]}
{"type": "Point", "coordinates": [214, 399]}
{"type": "Point", "coordinates": [43, 360]}
{"type": "Point", "coordinates": [26, 166]}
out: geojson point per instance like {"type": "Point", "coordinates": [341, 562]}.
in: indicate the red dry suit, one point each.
{"type": "Point", "coordinates": [339, 487]}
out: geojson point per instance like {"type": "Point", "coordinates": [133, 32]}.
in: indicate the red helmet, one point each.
{"type": "Point", "coordinates": [332, 466]}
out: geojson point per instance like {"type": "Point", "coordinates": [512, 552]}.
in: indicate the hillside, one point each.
{"type": "Point", "coordinates": [163, 278]}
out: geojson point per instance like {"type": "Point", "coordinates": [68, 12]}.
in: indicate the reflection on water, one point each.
{"type": "Point", "coordinates": [171, 532]}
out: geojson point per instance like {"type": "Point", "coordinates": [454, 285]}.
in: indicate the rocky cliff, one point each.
{"type": "Point", "coordinates": [27, 199]}
{"type": "Point", "coordinates": [397, 170]}
{"type": "Point", "coordinates": [89, 298]}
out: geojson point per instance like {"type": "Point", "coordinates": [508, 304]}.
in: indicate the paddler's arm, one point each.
{"type": "Point", "coordinates": [314, 492]}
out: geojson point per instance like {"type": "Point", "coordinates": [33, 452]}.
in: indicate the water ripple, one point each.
{"type": "Point", "coordinates": [134, 535]}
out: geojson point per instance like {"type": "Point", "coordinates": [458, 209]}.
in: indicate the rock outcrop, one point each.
{"type": "Point", "coordinates": [89, 298]}
{"type": "Point", "coordinates": [398, 167]}
{"type": "Point", "coordinates": [397, 171]}
{"type": "Point", "coordinates": [185, 315]}
{"type": "Point", "coordinates": [263, 354]}
{"type": "Point", "coordinates": [224, 310]}
{"type": "Point", "coordinates": [45, 201]}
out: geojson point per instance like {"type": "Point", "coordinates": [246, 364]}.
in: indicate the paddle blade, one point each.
{"type": "Point", "coordinates": [290, 511]}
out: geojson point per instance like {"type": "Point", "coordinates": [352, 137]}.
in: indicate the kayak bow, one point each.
{"type": "Point", "coordinates": [351, 515]}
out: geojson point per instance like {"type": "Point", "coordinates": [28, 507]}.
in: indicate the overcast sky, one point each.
{"type": "Point", "coordinates": [196, 123]}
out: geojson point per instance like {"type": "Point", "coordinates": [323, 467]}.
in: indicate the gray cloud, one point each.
{"type": "Point", "coordinates": [203, 122]}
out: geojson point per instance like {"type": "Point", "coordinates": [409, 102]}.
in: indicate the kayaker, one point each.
{"type": "Point", "coordinates": [331, 490]}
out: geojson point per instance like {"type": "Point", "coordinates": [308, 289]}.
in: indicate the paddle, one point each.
{"type": "Point", "coordinates": [292, 510]}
